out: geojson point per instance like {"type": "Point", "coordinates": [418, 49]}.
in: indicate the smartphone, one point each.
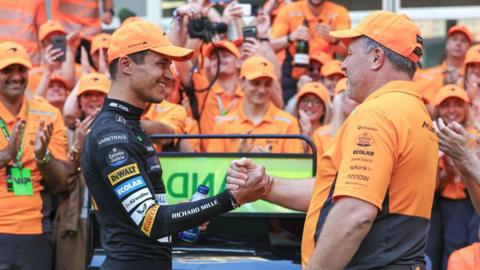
{"type": "Point", "coordinates": [246, 8]}
{"type": "Point", "coordinates": [60, 42]}
{"type": "Point", "coordinates": [249, 31]}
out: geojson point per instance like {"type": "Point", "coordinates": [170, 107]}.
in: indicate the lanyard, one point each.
{"type": "Point", "coordinates": [5, 132]}
{"type": "Point", "coordinates": [224, 111]}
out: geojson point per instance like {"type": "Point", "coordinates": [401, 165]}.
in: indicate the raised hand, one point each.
{"type": "Point", "coordinates": [10, 151]}
{"type": "Point", "coordinates": [42, 139]}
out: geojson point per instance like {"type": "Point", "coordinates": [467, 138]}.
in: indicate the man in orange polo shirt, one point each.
{"type": "Point", "coordinates": [33, 148]}
{"type": "Point", "coordinates": [368, 179]}
{"type": "Point", "coordinates": [288, 28]}
{"type": "Point", "coordinates": [257, 115]}
{"type": "Point", "coordinates": [450, 71]}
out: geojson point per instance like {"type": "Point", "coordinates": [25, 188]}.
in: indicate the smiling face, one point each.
{"type": "Point", "coordinates": [150, 79]}
{"type": "Point", "coordinates": [453, 109]}
{"type": "Point", "coordinates": [257, 91]}
{"type": "Point", "coordinates": [56, 94]}
{"type": "Point", "coordinates": [13, 81]}
{"type": "Point", "coordinates": [313, 106]}
{"type": "Point", "coordinates": [90, 101]}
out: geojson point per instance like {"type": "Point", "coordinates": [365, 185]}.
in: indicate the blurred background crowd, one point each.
{"type": "Point", "coordinates": [260, 67]}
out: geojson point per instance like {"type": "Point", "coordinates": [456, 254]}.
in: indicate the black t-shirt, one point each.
{"type": "Point", "coordinates": [124, 178]}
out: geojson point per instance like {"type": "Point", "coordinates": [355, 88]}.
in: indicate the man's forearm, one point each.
{"type": "Point", "coordinates": [279, 44]}
{"type": "Point", "coordinates": [337, 245]}
{"type": "Point", "coordinates": [55, 173]}
{"type": "Point", "coordinates": [292, 194]}
{"type": "Point", "coordinates": [469, 167]}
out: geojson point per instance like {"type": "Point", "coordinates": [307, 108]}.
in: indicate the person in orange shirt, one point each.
{"type": "Point", "coordinates": [456, 209]}
{"type": "Point", "coordinates": [257, 115]}
{"type": "Point", "coordinates": [472, 82]}
{"type": "Point", "coordinates": [450, 71]}
{"type": "Point", "coordinates": [367, 180]}
{"type": "Point", "coordinates": [331, 73]}
{"type": "Point", "coordinates": [71, 218]}
{"type": "Point", "coordinates": [342, 107]}
{"type": "Point", "coordinates": [82, 15]}
{"type": "Point", "coordinates": [21, 20]}
{"type": "Point", "coordinates": [33, 165]}
{"type": "Point", "coordinates": [321, 16]}
{"type": "Point", "coordinates": [312, 109]}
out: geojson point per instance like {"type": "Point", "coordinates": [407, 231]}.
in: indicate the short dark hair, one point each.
{"type": "Point", "coordinates": [400, 62]}
{"type": "Point", "coordinates": [137, 58]}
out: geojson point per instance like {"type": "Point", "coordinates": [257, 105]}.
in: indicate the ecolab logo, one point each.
{"type": "Point", "coordinates": [129, 186]}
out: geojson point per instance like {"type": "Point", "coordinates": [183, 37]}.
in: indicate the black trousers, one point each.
{"type": "Point", "coordinates": [26, 252]}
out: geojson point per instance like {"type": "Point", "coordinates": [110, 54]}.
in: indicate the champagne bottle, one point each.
{"type": "Point", "coordinates": [301, 57]}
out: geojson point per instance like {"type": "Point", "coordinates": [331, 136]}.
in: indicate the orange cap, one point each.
{"type": "Point", "coordinates": [13, 53]}
{"type": "Point", "coordinates": [50, 27]}
{"type": "Point", "coordinates": [332, 67]}
{"type": "Point", "coordinates": [315, 88]}
{"type": "Point", "coordinates": [141, 35]}
{"type": "Point", "coordinates": [394, 31]}
{"type": "Point", "coordinates": [60, 79]}
{"type": "Point", "coordinates": [450, 90]}
{"type": "Point", "coordinates": [93, 82]}
{"type": "Point", "coordinates": [473, 55]}
{"type": "Point", "coordinates": [222, 44]}
{"type": "Point", "coordinates": [341, 86]}
{"type": "Point", "coordinates": [321, 57]}
{"type": "Point", "coordinates": [100, 41]}
{"type": "Point", "coordinates": [131, 19]}
{"type": "Point", "coordinates": [460, 28]}
{"type": "Point", "coordinates": [256, 67]}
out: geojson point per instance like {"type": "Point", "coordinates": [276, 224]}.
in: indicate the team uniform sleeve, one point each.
{"type": "Point", "coordinates": [118, 158]}
{"type": "Point", "coordinates": [368, 155]}
{"type": "Point", "coordinates": [280, 26]}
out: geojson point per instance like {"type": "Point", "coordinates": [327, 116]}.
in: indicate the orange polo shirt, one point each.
{"type": "Point", "coordinates": [322, 139]}
{"type": "Point", "coordinates": [23, 214]}
{"type": "Point", "coordinates": [467, 258]}
{"type": "Point", "coordinates": [292, 15]}
{"type": "Point", "coordinates": [171, 114]}
{"type": "Point", "coordinates": [217, 103]}
{"type": "Point", "coordinates": [275, 121]}
{"type": "Point", "coordinates": [386, 155]}
{"type": "Point", "coordinates": [430, 80]}
{"type": "Point", "coordinates": [454, 188]}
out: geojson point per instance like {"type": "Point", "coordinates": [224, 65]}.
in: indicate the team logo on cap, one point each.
{"type": "Point", "coordinates": [13, 49]}
{"type": "Point", "coordinates": [94, 79]}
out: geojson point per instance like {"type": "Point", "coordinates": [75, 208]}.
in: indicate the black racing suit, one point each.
{"type": "Point", "coordinates": [124, 178]}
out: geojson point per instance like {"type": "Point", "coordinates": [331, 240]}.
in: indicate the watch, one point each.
{"type": "Point", "coordinates": [46, 158]}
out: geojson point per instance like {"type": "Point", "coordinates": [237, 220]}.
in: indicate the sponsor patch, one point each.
{"type": "Point", "coordinates": [363, 152]}
{"type": "Point", "coordinates": [129, 186]}
{"type": "Point", "coordinates": [116, 157]}
{"type": "Point", "coordinates": [120, 119]}
{"type": "Point", "coordinates": [112, 138]}
{"type": "Point", "coordinates": [123, 173]}
{"type": "Point", "coordinates": [117, 105]}
{"type": "Point", "coordinates": [149, 219]}
{"type": "Point", "coordinates": [140, 212]}
{"type": "Point", "coordinates": [136, 198]}
{"type": "Point", "coordinates": [149, 148]}
{"type": "Point", "coordinates": [161, 199]}
{"type": "Point", "coordinates": [153, 164]}
{"type": "Point", "coordinates": [365, 140]}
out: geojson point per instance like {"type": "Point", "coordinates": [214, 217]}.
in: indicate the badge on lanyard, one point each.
{"type": "Point", "coordinates": [22, 181]}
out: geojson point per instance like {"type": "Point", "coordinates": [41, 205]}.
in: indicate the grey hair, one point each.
{"type": "Point", "coordinates": [400, 62]}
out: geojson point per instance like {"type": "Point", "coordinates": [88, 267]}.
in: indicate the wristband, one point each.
{"type": "Point", "coordinates": [264, 39]}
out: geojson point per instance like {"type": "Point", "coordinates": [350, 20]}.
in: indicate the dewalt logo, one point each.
{"type": "Point", "coordinates": [123, 173]}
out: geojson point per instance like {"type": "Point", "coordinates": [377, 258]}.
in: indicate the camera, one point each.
{"type": "Point", "coordinates": [203, 29]}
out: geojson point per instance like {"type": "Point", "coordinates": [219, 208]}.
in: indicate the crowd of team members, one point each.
{"type": "Point", "coordinates": [257, 90]}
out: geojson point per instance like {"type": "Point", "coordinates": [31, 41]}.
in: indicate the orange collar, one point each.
{"type": "Point", "coordinates": [268, 117]}
{"type": "Point", "coordinates": [308, 13]}
{"type": "Point", "coordinates": [407, 87]}
{"type": "Point", "coordinates": [217, 89]}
